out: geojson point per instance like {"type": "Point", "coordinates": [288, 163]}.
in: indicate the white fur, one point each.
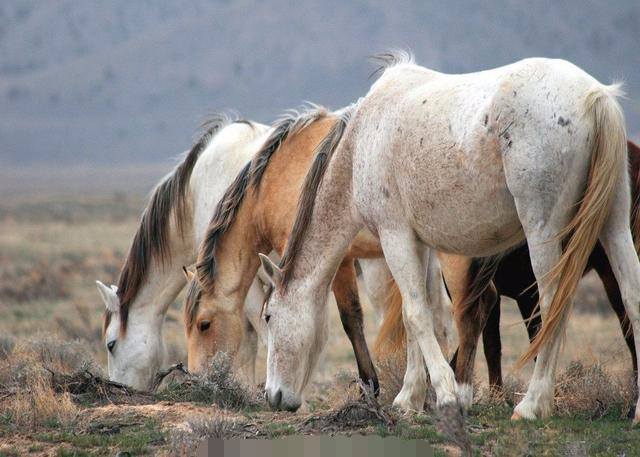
{"type": "Point", "coordinates": [466, 164]}
{"type": "Point", "coordinates": [376, 279]}
{"type": "Point", "coordinates": [140, 353]}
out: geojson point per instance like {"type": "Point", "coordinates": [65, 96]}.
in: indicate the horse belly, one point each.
{"type": "Point", "coordinates": [457, 200]}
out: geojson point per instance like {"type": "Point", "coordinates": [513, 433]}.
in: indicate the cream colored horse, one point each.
{"type": "Point", "coordinates": [171, 227]}
{"type": "Point", "coordinates": [468, 164]}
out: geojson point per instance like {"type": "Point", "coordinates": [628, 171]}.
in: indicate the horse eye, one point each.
{"type": "Point", "coordinates": [267, 317]}
{"type": "Point", "coordinates": [204, 326]}
{"type": "Point", "coordinates": [110, 345]}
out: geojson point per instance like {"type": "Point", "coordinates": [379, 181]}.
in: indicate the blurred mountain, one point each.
{"type": "Point", "coordinates": [117, 82]}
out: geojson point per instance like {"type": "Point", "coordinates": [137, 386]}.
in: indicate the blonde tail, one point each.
{"type": "Point", "coordinates": [391, 339]}
{"type": "Point", "coordinates": [608, 158]}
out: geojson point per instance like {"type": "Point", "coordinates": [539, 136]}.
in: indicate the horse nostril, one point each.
{"type": "Point", "coordinates": [277, 399]}
{"type": "Point", "coordinates": [273, 400]}
{"type": "Point", "coordinates": [110, 345]}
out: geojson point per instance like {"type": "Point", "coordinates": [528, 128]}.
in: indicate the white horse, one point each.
{"type": "Point", "coordinates": [469, 164]}
{"type": "Point", "coordinates": [170, 231]}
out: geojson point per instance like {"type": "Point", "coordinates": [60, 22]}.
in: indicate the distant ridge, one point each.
{"type": "Point", "coordinates": [84, 82]}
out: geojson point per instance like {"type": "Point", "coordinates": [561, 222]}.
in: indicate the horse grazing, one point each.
{"type": "Point", "coordinates": [171, 228]}
{"type": "Point", "coordinates": [468, 164]}
{"type": "Point", "coordinates": [255, 215]}
{"type": "Point", "coordinates": [514, 278]}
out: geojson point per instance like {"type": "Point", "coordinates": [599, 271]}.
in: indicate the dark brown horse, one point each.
{"type": "Point", "coordinates": [514, 278]}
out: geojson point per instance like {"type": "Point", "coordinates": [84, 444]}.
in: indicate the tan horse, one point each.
{"type": "Point", "coordinates": [255, 215]}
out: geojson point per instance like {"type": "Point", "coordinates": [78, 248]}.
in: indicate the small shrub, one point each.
{"type": "Point", "coordinates": [24, 283]}
{"type": "Point", "coordinates": [7, 343]}
{"type": "Point", "coordinates": [40, 405]}
{"type": "Point", "coordinates": [218, 385]}
{"type": "Point", "coordinates": [590, 392]}
{"type": "Point", "coordinates": [80, 328]}
{"type": "Point", "coordinates": [184, 442]}
{"type": "Point", "coordinates": [391, 374]}
{"type": "Point", "coordinates": [28, 382]}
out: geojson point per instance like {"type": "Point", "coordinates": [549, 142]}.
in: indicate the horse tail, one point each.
{"type": "Point", "coordinates": [481, 272]}
{"type": "Point", "coordinates": [392, 335]}
{"type": "Point", "coordinates": [608, 158]}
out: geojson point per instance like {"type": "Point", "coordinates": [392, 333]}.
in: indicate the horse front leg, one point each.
{"type": "Point", "coordinates": [345, 289]}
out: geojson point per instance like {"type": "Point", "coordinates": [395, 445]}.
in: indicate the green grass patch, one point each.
{"type": "Point", "coordinates": [9, 452]}
{"type": "Point", "coordinates": [137, 440]}
{"type": "Point", "coordinates": [275, 429]}
{"type": "Point", "coordinates": [495, 433]}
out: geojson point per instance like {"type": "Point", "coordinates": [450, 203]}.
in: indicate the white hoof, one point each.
{"type": "Point", "coordinates": [406, 402]}
{"type": "Point", "coordinates": [527, 409]}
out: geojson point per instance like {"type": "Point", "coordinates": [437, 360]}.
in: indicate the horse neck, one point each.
{"type": "Point", "coordinates": [237, 260]}
{"type": "Point", "coordinates": [165, 280]}
{"type": "Point", "coordinates": [331, 229]}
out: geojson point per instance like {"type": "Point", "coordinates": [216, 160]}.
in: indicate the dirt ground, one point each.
{"type": "Point", "coordinates": [54, 245]}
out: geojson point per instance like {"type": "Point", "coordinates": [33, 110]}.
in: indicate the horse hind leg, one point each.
{"type": "Point", "coordinates": [618, 245]}
{"type": "Point", "coordinates": [492, 343]}
{"type": "Point", "coordinates": [608, 278]}
{"type": "Point", "coordinates": [538, 401]}
{"type": "Point", "coordinates": [470, 322]}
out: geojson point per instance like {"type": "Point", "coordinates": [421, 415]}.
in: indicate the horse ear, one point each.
{"type": "Point", "coordinates": [272, 271]}
{"type": "Point", "coordinates": [109, 297]}
{"type": "Point", "coordinates": [187, 273]}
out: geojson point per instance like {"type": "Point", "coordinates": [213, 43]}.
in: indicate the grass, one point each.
{"type": "Point", "coordinates": [52, 248]}
{"type": "Point", "coordinates": [137, 440]}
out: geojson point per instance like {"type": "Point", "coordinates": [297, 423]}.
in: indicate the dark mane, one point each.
{"type": "Point", "coordinates": [253, 172]}
{"type": "Point", "coordinates": [192, 303]}
{"type": "Point", "coordinates": [151, 239]}
{"type": "Point", "coordinates": [309, 190]}
{"type": "Point", "coordinates": [634, 171]}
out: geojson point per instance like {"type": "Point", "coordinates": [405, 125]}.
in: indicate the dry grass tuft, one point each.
{"type": "Point", "coordinates": [184, 442]}
{"type": "Point", "coordinates": [7, 343]}
{"type": "Point", "coordinates": [79, 327]}
{"type": "Point", "coordinates": [590, 392]}
{"type": "Point", "coordinates": [391, 373]}
{"type": "Point", "coordinates": [42, 280]}
{"type": "Point", "coordinates": [352, 414]}
{"type": "Point", "coordinates": [218, 385]}
{"type": "Point", "coordinates": [512, 392]}
{"type": "Point", "coordinates": [29, 397]}
{"type": "Point", "coordinates": [39, 405]}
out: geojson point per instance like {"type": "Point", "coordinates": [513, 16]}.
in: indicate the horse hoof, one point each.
{"type": "Point", "coordinates": [516, 417]}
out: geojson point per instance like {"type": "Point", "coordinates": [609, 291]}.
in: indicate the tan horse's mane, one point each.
{"type": "Point", "coordinates": [227, 209]}
{"type": "Point", "coordinates": [310, 187]}
{"type": "Point", "coordinates": [322, 158]}
{"type": "Point", "coordinates": [152, 237]}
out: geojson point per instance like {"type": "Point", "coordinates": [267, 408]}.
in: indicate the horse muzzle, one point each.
{"type": "Point", "coordinates": [280, 400]}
